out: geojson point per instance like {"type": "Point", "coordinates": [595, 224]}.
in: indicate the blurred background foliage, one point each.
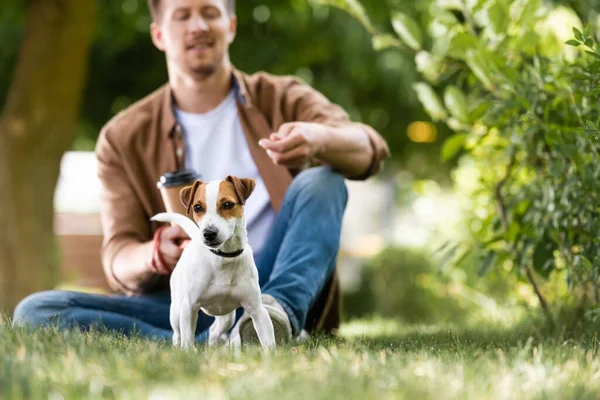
{"type": "Point", "coordinates": [321, 45]}
{"type": "Point", "coordinates": [517, 82]}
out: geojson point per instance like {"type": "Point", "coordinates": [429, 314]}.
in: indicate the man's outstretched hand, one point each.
{"type": "Point", "coordinates": [296, 143]}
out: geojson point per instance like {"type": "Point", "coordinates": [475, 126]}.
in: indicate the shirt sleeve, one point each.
{"type": "Point", "coordinates": [122, 217]}
{"type": "Point", "coordinates": [303, 103]}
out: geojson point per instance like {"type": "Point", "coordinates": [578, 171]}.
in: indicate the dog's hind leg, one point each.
{"type": "Point", "coordinates": [220, 326]}
{"type": "Point", "coordinates": [188, 318]}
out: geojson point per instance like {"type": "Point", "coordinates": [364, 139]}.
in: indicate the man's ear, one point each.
{"type": "Point", "coordinates": [157, 37]}
{"type": "Point", "coordinates": [186, 195]}
{"type": "Point", "coordinates": [243, 187]}
{"type": "Point", "coordinates": [232, 28]}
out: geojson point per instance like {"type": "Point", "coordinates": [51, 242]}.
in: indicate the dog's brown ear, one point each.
{"type": "Point", "coordinates": [186, 195]}
{"type": "Point", "coordinates": [243, 187]}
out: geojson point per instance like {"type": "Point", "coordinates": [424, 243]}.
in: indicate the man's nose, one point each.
{"type": "Point", "coordinates": [198, 23]}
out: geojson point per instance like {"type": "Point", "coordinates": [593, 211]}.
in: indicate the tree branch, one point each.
{"type": "Point", "coordinates": [498, 192]}
{"type": "Point", "coordinates": [501, 208]}
{"type": "Point", "coordinates": [543, 302]}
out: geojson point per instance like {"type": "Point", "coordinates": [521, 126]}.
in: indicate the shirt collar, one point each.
{"type": "Point", "coordinates": [169, 122]}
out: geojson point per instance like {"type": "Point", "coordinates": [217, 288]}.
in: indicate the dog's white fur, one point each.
{"type": "Point", "coordinates": [215, 284]}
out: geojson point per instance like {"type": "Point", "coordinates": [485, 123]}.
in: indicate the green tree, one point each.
{"type": "Point", "coordinates": [323, 46]}
{"type": "Point", "coordinates": [37, 125]}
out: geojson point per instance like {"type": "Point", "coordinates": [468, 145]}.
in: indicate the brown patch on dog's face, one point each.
{"type": "Point", "coordinates": [194, 199]}
{"type": "Point", "coordinates": [228, 204]}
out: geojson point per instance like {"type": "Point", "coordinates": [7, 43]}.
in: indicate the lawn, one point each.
{"type": "Point", "coordinates": [372, 359]}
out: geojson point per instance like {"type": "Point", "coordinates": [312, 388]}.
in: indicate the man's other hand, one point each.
{"type": "Point", "coordinates": [170, 248]}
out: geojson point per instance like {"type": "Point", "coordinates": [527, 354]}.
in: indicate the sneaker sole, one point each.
{"type": "Point", "coordinates": [248, 333]}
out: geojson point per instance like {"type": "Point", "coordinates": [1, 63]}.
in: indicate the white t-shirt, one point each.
{"type": "Point", "coordinates": [215, 147]}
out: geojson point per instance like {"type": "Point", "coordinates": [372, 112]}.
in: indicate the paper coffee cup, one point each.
{"type": "Point", "coordinates": [170, 184]}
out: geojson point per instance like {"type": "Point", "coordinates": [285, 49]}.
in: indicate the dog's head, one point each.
{"type": "Point", "coordinates": [217, 206]}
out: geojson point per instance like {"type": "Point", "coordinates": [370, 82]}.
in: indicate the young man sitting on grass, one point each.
{"type": "Point", "coordinates": [220, 121]}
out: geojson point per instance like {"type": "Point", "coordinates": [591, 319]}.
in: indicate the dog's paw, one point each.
{"type": "Point", "coordinates": [214, 340]}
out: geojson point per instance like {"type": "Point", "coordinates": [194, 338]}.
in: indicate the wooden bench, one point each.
{"type": "Point", "coordinates": [79, 239]}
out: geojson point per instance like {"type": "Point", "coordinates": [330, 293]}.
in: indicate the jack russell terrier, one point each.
{"type": "Point", "coordinates": [216, 272]}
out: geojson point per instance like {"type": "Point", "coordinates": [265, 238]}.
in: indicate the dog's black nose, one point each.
{"type": "Point", "coordinates": [210, 235]}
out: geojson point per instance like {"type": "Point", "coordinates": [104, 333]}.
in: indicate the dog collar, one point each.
{"type": "Point", "coordinates": [227, 255]}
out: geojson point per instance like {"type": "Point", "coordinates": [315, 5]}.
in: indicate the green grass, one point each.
{"type": "Point", "coordinates": [372, 360]}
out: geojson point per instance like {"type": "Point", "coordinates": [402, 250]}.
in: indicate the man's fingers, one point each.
{"type": "Point", "coordinates": [285, 129]}
{"type": "Point", "coordinates": [294, 163]}
{"type": "Point", "coordinates": [163, 269]}
{"type": "Point", "coordinates": [170, 252]}
{"type": "Point", "coordinates": [285, 144]}
{"type": "Point", "coordinates": [172, 233]}
{"type": "Point", "coordinates": [298, 155]}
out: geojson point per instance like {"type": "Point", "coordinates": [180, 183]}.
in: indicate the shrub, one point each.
{"type": "Point", "coordinates": [523, 105]}
{"type": "Point", "coordinates": [404, 284]}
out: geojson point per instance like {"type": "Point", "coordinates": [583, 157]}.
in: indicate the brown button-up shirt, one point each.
{"type": "Point", "coordinates": [144, 141]}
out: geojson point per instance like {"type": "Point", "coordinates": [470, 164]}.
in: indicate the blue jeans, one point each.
{"type": "Point", "coordinates": [297, 260]}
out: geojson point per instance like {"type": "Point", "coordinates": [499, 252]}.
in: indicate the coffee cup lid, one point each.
{"type": "Point", "coordinates": [177, 178]}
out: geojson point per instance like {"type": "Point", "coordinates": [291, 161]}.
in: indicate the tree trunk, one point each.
{"type": "Point", "coordinates": [37, 126]}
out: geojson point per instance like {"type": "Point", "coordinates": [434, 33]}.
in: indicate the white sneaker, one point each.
{"type": "Point", "coordinates": [244, 331]}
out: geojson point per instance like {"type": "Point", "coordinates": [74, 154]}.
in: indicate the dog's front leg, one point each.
{"type": "Point", "coordinates": [174, 319]}
{"type": "Point", "coordinates": [262, 324]}
{"type": "Point", "coordinates": [188, 319]}
{"type": "Point", "coordinates": [222, 324]}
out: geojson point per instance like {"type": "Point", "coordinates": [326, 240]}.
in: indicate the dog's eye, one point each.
{"type": "Point", "coordinates": [198, 208]}
{"type": "Point", "coordinates": [228, 205]}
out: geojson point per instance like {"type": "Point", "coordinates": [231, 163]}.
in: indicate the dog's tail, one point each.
{"type": "Point", "coordinates": [190, 228]}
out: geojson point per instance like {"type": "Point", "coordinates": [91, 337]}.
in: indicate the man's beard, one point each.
{"type": "Point", "coordinates": [206, 70]}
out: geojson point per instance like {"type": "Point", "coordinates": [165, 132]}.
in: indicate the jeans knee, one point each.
{"type": "Point", "coordinates": [320, 182]}
{"type": "Point", "coordinates": [42, 308]}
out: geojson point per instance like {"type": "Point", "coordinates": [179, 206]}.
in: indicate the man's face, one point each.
{"type": "Point", "coordinates": [194, 34]}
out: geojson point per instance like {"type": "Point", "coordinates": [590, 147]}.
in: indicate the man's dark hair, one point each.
{"type": "Point", "coordinates": [154, 6]}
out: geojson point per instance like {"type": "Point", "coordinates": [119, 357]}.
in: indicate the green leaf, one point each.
{"type": "Point", "coordinates": [456, 103]}
{"type": "Point", "coordinates": [479, 111]}
{"type": "Point", "coordinates": [578, 34]}
{"type": "Point", "coordinates": [586, 262]}
{"type": "Point", "coordinates": [448, 257]}
{"type": "Point", "coordinates": [487, 263]}
{"type": "Point", "coordinates": [352, 7]}
{"type": "Point", "coordinates": [445, 245]}
{"type": "Point", "coordinates": [458, 260]}
{"type": "Point", "coordinates": [587, 31]}
{"type": "Point", "coordinates": [453, 145]}
{"type": "Point", "coordinates": [590, 125]}
{"type": "Point", "coordinates": [497, 16]}
{"type": "Point", "coordinates": [430, 101]}
{"type": "Point", "coordinates": [408, 30]}
{"type": "Point", "coordinates": [385, 41]}
{"type": "Point", "coordinates": [523, 13]}
{"type": "Point", "coordinates": [589, 42]}
{"type": "Point", "coordinates": [573, 42]}
{"type": "Point", "coordinates": [460, 43]}
{"type": "Point", "coordinates": [593, 53]}
{"type": "Point", "coordinates": [479, 67]}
